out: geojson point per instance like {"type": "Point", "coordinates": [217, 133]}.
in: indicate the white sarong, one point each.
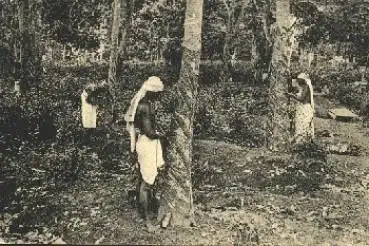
{"type": "Point", "coordinates": [304, 125]}
{"type": "Point", "coordinates": [150, 157]}
{"type": "Point", "coordinates": [88, 112]}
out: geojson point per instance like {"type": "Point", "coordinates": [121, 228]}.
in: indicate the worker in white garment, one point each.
{"type": "Point", "coordinates": [88, 110]}
{"type": "Point", "coordinates": [140, 119]}
{"type": "Point", "coordinates": [304, 109]}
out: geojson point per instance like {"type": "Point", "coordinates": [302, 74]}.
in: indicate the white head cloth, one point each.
{"type": "Point", "coordinates": [152, 84]}
{"type": "Point", "coordinates": [307, 80]}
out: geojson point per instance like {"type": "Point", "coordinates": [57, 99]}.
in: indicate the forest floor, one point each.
{"type": "Point", "coordinates": [234, 193]}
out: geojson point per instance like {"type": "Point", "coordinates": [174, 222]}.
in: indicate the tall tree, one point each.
{"type": "Point", "coordinates": [117, 46]}
{"type": "Point", "coordinates": [124, 27]}
{"type": "Point", "coordinates": [280, 115]}
{"type": "Point", "coordinates": [114, 49]}
{"type": "Point", "coordinates": [235, 11]}
{"type": "Point", "coordinates": [226, 57]}
{"type": "Point", "coordinates": [23, 32]}
{"type": "Point", "coordinates": [261, 41]}
{"type": "Point", "coordinates": [29, 55]}
{"type": "Point", "coordinates": [178, 193]}
{"type": "Point", "coordinates": [103, 30]}
{"type": "Point", "coordinates": [36, 36]}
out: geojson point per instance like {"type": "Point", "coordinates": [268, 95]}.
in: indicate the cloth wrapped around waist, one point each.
{"type": "Point", "coordinates": [89, 112]}
{"type": "Point", "coordinates": [304, 125]}
{"type": "Point", "coordinates": [150, 157]}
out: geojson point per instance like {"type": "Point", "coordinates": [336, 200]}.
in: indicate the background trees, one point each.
{"type": "Point", "coordinates": [234, 31]}
{"type": "Point", "coordinates": [239, 108]}
{"type": "Point", "coordinates": [29, 30]}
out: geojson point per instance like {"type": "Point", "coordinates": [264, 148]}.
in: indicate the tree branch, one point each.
{"type": "Point", "coordinates": [227, 6]}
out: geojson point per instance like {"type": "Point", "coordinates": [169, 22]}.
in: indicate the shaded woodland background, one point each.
{"type": "Point", "coordinates": [71, 42]}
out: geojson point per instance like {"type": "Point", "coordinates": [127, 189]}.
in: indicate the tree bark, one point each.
{"type": "Point", "coordinates": [226, 57]}
{"type": "Point", "coordinates": [256, 54]}
{"type": "Point", "coordinates": [114, 52]}
{"type": "Point", "coordinates": [125, 16]}
{"type": "Point", "coordinates": [177, 194]}
{"type": "Point", "coordinates": [36, 40]}
{"type": "Point", "coordinates": [23, 34]}
{"type": "Point", "coordinates": [29, 54]}
{"type": "Point", "coordinates": [103, 33]}
{"type": "Point", "coordinates": [124, 27]}
{"type": "Point", "coordinates": [261, 41]}
{"type": "Point", "coordinates": [280, 113]}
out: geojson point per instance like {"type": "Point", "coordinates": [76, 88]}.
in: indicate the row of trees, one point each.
{"type": "Point", "coordinates": [178, 195]}
{"type": "Point", "coordinates": [274, 27]}
{"type": "Point", "coordinates": [233, 29]}
{"type": "Point", "coordinates": [281, 38]}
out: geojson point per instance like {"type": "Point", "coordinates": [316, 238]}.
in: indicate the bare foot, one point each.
{"type": "Point", "coordinates": [150, 227]}
{"type": "Point", "coordinates": [166, 220]}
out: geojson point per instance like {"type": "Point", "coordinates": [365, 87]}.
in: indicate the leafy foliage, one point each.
{"type": "Point", "coordinates": [343, 87]}
{"type": "Point", "coordinates": [74, 21]}
{"type": "Point", "coordinates": [232, 114]}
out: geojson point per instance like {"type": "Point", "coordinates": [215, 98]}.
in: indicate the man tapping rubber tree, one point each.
{"type": "Point", "coordinates": [304, 109]}
{"type": "Point", "coordinates": [140, 119]}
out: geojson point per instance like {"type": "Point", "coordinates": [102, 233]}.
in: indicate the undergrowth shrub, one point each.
{"type": "Point", "coordinates": [56, 166]}
{"type": "Point", "coordinates": [66, 154]}
{"type": "Point", "coordinates": [342, 87]}
{"type": "Point", "coordinates": [243, 72]}
{"type": "Point", "coordinates": [234, 113]}
{"type": "Point", "coordinates": [309, 166]}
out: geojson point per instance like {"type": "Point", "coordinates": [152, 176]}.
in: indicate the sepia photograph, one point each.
{"type": "Point", "coordinates": [184, 122]}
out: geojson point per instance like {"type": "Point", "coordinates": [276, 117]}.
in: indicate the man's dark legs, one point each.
{"type": "Point", "coordinates": [145, 200]}
{"type": "Point", "coordinates": [87, 136]}
{"type": "Point", "coordinates": [143, 205]}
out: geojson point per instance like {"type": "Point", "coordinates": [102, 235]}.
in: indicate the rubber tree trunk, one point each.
{"type": "Point", "coordinates": [261, 42]}
{"type": "Point", "coordinates": [114, 52]}
{"type": "Point", "coordinates": [256, 54]}
{"type": "Point", "coordinates": [178, 193]}
{"type": "Point", "coordinates": [280, 113]}
{"type": "Point", "coordinates": [124, 27]}
{"type": "Point", "coordinates": [23, 39]}
{"type": "Point", "coordinates": [36, 39]}
{"type": "Point", "coordinates": [103, 32]}
{"type": "Point", "coordinates": [29, 55]}
{"type": "Point", "coordinates": [226, 56]}
{"type": "Point", "coordinates": [256, 50]}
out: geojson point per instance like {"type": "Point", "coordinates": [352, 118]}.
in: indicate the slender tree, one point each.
{"type": "Point", "coordinates": [235, 14]}
{"type": "Point", "coordinates": [279, 82]}
{"type": "Point", "coordinates": [226, 56]}
{"type": "Point", "coordinates": [124, 27]}
{"type": "Point", "coordinates": [120, 25]}
{"type": "Point", "coordinates": [178, 194]}
{"type": "Point", "coordinates": [36, 38]}
{"type": "Point", "coordinates": [103, 30]}
{"type": "Point", "coordinates": [261, 40]}
{"type": "Point", "coordinates": [114, 51]}
{"type": "Point", "coordinates": [29, 53]}
{"type": "Point", "coordinates": [23, 38]}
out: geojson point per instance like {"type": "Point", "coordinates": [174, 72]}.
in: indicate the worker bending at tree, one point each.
{"type": "Point", "coordinates": [140, 119]}
{"type": "Point", "coordinates": [304, 109]}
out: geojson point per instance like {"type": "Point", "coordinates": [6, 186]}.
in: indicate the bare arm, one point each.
{"type": "Point", "coordinates": [293, 96]}
{"type": "Point", "coordinates": [147, 124]}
